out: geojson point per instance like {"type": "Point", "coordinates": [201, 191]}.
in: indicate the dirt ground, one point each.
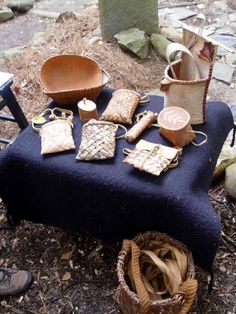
{"type": "Point", "coordinates": [74, 273]}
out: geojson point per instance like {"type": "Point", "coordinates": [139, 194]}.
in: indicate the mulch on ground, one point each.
{"type": "Point", "coordinates": [77, 274]}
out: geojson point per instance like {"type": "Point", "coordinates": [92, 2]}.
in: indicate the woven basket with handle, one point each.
{"type": "Point", "coordinates": [186, 81]}
{"type": "Point", "coordinates": [156, 275]}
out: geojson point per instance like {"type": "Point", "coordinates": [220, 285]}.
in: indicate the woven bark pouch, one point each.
{"type": "Point", "coordinates": [56, 136]}
{"type": "Point", "coordinates": [153, 159]}
{"type": "Point", "coordinates": [98, 140]}
{"type": "Point", "coordinates": [122, 106]}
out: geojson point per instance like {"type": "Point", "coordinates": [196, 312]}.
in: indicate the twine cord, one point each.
{"type": "Point", "coordinates": [144, 99]}
{"type": "Point", "coordinates": [53, 116]}
{"type": "Point", "coordinates": [203, 141]}
{"type": "Point", "coordinates": [42, 114]}
{"type": "Point", "coordinates": [150, 152]}
{"type": "Point", "coordinates": [123, 135]}
{"type": "Point", "coordinates": [126, 151]}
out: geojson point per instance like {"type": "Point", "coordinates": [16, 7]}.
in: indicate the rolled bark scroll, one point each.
{"type": "Point", "coordinates": [148, 118]}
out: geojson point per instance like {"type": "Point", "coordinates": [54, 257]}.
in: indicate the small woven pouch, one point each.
{"type": "Point", "coordinates": [98, 140]}
{"type": "Point", "coordinates": [56, 135]}
{"type": "Point", "coordinates": [122, 106]}
{"type": "Point", "coordinates": [152, 158]}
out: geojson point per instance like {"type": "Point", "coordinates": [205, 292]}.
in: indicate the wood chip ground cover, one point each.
{"type": "Point", "coordinates": [89, 268]}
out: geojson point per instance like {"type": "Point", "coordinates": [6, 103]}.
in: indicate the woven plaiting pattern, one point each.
{"type": "Point", "coordinates": [56, 136]}
{"type": "Point", "coordinates": [98, 140]}
{"type": "Point", "coordinates": [121, 107]}
{"type": "Point", "coordinates": [150, 161]}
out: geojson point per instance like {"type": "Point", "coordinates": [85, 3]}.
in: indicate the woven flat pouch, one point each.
{"type": "Point", "coordinates": [98, 140]}
{"type": "Point", "coordinates": [153, 160]}
{"type": "Point", "coordinates": [122, 106]}
{"type": "Point", "coordinates": [56, 136]}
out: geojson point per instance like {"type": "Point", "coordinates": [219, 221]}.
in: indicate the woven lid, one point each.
{"type": "Point", "coordinates": [173, 118]}
{"type": "Point", "coordinates": [70, 72]}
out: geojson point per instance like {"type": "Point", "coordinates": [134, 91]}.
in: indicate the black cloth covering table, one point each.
{"type": "Point", "coordinates": [109, 199]}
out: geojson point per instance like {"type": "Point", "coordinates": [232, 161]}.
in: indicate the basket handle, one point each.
{"type": "Point", "coordinates": [174, 47]}
{"type": "Point", "coordinates": [189, 287]}
{"type": "Point", "coordinates": [40, 119]}
{"type": "Point", "coordinates": [129, 245]}
{"type": "Point", "coordinates": [123, 135]}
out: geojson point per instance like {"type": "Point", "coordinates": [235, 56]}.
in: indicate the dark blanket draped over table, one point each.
{"type": "Point", "coordinates": [109, 199]}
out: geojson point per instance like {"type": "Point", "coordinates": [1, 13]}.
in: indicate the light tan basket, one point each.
{"type": "Point", "coordinates": [131, 302]}
{"type": "Point", "coordinates": [98, 140]}
{"type": "Point", "coordinates": [69, 78]}
{"type": "Point", "coordinates": [186, 81]}
{"type": "Point", "coordinates": [174, 123]}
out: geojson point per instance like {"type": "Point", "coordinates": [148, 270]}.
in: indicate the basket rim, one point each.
{"type": "Point", "coordinates": [65, 56]}
{"type": "Point", "coordinates": [45, 91]}
{"type": "Point", "coordinates": [163, 112]}
{"type": "Point", "coordinates": [182, 82]}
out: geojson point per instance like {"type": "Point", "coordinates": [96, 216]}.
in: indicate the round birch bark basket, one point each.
{"type": "Point", "coordinates": [175, 126]}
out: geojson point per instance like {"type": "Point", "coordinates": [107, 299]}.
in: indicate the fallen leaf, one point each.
{"type": "Point", "coordinates": [66, 276]}
{"type": "Point", "coordinates": [67, 255]}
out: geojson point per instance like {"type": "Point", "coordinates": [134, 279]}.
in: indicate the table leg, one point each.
{"type": "Point", "coordinates": [14, 108]}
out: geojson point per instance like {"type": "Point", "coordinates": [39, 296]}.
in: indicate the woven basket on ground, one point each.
{"type": "Point", "coordinates": [70, 78]}
{"type": "Point", "coordinates": [144, 285]}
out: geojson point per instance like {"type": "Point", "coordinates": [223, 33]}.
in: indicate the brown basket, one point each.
{"type": "Point", "coordinates": [69, 78]}
{"type": "Point", "coordinates": [129, 301]}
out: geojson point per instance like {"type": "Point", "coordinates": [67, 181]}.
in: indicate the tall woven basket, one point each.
{"type": "Point", "coordinates": [130, 302]}
{"type": "Point", "coordinates": [188, 87]}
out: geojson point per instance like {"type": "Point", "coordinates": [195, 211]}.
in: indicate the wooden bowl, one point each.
{"type": "Point", "coordinates": [69, 78]}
